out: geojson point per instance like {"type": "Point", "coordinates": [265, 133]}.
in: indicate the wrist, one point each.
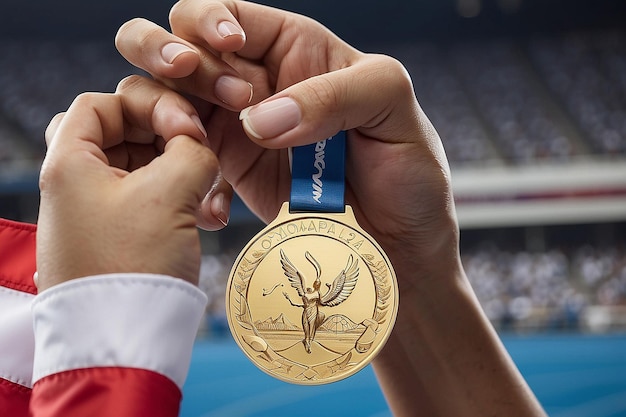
{"type": "Point", "coordinates": [426, 259]}
{"type": "Point", "coordinates": [443, 344]}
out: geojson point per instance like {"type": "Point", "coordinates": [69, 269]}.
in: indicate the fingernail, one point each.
{"type": "Point", "coordinates": [226, 29]}
{"type": "Point", "coordinates": [171, 51]}
{"type": "Point", "coordinates": [199, 124]}
{"type": "Point", "coordinates": [233, 91]}
{"type": "Point", "coordinates": [270, 119]}
{"type": "Point", "coordinates": [220, 208]}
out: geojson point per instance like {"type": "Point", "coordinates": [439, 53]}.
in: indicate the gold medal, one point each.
{"type": "Point", "coordinates": [312, 298]}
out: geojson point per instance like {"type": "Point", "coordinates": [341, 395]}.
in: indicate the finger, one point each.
{"type": "Point", "coordinates": [80, 132]}
{"type": "Point", "coordinates": [52, 127]}
{"type": "Point", "coordinates": [265, 27]}
{"type": "Point", "coordinates": [89, 121]}
{"type": "Point", "coordinates": [152, 107]}
{"type": "Point", "coordinates": [97, 121]}
{"type": "Point", "coordinates": [214, 212]}
{"type": "Point", "coordinates": [196, 71]}
{"type": "Point", "coordinates": [215, 84]}
{"type": "Point", "coordinates": [319, 107]}
{"type": "Point", "coordinates": [138, 40]}
{"type": "Point", "coordinates": [208, 22]}
{"type": "Point", "coordinates": [186, 172]}
{"type": "Point", "coordinates": [269, 32]}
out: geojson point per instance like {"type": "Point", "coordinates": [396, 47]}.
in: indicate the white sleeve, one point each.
{"type": "Point", "coordinates": [16, 337]}
{"type": "Point", "coordinates": [121, 320]}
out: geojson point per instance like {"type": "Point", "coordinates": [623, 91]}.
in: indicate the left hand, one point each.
{"type": "Point", "coordinates": [122, 186]}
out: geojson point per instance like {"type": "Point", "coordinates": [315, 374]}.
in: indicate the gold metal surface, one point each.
{"type": "Point", "coordinates": [312, 298]}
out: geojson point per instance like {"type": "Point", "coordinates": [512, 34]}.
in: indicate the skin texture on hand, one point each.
{"type": "Point", "coordinates": [117, 198]}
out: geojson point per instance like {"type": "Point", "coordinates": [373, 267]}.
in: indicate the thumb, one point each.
{"type": "Point", "coordinates": [184, 173]}
{"type": "Point", "coordinates": [375, 95]}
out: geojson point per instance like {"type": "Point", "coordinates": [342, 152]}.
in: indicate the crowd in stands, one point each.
{"type": "Point", "coordinates": [588, 74]}
{"type": "Point", "coordinates": [520, 290]}
{"type": "Point", "coordinates": [548, 97]}
{"type": "Point", "coordinates": [41, 78]}
{"type": "Point", "coordinates": [499, 100]}
{"type": "Point", "coordinates": [548, 289]}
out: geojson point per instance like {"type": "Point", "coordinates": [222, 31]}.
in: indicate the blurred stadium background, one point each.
{"type": "Point", "coordinates": [529, 97]}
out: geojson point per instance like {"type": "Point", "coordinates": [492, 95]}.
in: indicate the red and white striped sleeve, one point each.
{"type": "Point", "coordinates": [105, 345]}
{"type": "Point", "coordinates": [17, 290]}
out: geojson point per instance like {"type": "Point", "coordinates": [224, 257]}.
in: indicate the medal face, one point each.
{"type": "Point", "coordinates": [312, 298]}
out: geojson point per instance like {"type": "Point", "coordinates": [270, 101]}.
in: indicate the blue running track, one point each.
{"type": "Point", "coordinates": [573, 375]}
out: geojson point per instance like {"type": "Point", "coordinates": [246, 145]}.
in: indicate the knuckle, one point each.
{"type": "Point", "coordinates": [326, 94]}
{"type": "Point", "coordinates": [184, 9]}
{"type": "Point", "coordinates": [129, 83]}
{"type": "Point", "coordinates": [126, 30]}
{"type": "Point", "coordinates": [144, 39]}
{"type": "Point", "coordinates": [136, 37]}
{"type": "Point", "coordinates": [52, 127]}
{"type": "Point", "coordinates": [175, 11]}
{"type": "Point", "coordinates": [87, 100]}
{"type": "Point", "coordinates": [46, 176]}
{"type": "Point", "coordinates": [207, 159]}
{"type": "Point", "coordinates": [51, 173]}
{"type": "Point", "coordinates": [196, 154]}
{"type": "Point", "coordinates": [394, 72]}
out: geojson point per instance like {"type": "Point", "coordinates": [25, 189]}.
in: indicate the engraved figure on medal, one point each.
{"type": "Point", "coordinates": [311, 300]}
{"type": "Point", "coordinates": [341, 289]}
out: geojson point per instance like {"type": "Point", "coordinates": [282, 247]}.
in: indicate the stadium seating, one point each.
{"type": "Point", "coordinates": [587, 72]}
{"type": "Point", "coordinates": [542, 98]}
{"type": "Point", "coordinates": [501, 101]}
{"type": "Point", "coordinates": [40, 78]}
{"type": "Point", "coordinates": [519, 289]}
{"type": "Point", "coordinates": [548, 289]}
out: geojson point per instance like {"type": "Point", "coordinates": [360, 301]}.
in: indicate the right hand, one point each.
{"type": "Point", "coordinates": [310, 84]}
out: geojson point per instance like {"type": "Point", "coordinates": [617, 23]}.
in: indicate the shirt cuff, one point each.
{"type": "Point", "coordinates": [143, 321]}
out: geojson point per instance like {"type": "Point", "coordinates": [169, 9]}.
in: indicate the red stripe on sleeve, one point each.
{"type": "Point", "coordinates": [17, 255]}
{"type": "Point", "coordinates": [14, 399]}
{"type": "Point", "coordinates": [100, 392]}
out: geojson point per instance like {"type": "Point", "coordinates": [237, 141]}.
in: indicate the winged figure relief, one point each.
{"type": "Point", "coordinates": [312, 299]}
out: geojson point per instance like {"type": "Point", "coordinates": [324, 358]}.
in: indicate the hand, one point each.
{"type": "Point", "coordinates": [310, 85]}
{"type": "Point", "coordinates": [115, 197]}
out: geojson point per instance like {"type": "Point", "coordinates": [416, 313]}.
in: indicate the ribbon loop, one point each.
{"type": "Point", "coordinates": [318, 176]}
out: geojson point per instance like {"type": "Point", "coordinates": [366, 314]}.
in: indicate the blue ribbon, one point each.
{"type": "Point", "coordinates": [318, 176]}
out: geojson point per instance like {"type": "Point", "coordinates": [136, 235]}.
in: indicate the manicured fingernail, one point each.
{"type": "Point", "coordinates": [220, 208]}
{"type": "Point", "coordinates": [226, 29]}
{"type": "Point", "coordinates": [270, 119]}
{"type": "Point", "coordinates": [36, 278]}
{"type": "Point", "coordinates": [171, 51]}
{"type": "Point", "coordinates": [199, 124]}
{"type": "Point", "coordinates": [233, 91]}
